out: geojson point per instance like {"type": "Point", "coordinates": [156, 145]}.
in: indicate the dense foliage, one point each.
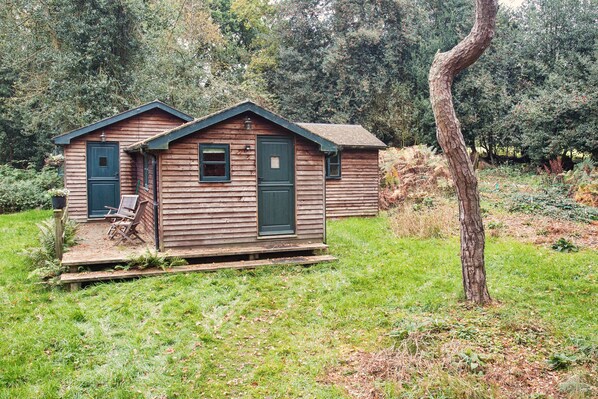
{"type": "Point", "coordinates": [65, 63]}
{"type": "Point", "coordinates": [22, 189]}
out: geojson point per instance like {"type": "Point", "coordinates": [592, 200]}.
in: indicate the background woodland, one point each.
{"type": "Point", "coordinates": [532, 97]}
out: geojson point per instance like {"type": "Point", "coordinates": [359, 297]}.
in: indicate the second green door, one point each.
{"type": "Point", "coordinates": [276, 185]}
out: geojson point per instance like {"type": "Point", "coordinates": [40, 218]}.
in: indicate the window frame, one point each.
{"type": "Point", "coordinates": [329, 163]}
{"type": "Point", "coordinates": [145, 170]}
{"type": "Point", "coordinates": [226, 162]}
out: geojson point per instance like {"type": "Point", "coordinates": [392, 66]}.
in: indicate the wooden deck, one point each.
{"type": "Point", "coordinates": [95, 249]}
{"type": "Point", "coordinates": [95, 253]}
{"type": "Point", "coordinates": [74, 280]}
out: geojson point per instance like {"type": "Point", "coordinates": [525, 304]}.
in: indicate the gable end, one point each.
{"type": "Point", "coordinates": [65, 139]}
{"type": "Point", "coordinates": [163, 140]}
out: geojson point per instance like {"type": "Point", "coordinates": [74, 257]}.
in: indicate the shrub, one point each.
{"type": "Point", "coordinates": [587, 194]}
{"type": "Point", "coordinates": [553, 202]}
{"type": "Point", "coordinates": [412, 173]}
{"type": "Point", "coordinates": [564, 245]}
{"type": "Point", "coordinates": [42, 258]}
{"type": "Point", "coordinates": [560, 361]}
{"type": "Point", "coordinates": [22, 189]}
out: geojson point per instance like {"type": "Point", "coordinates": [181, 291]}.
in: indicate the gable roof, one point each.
{"type": "Point", "coordinates": [162, 140]}
{"type": "Point", "coordinates": [347, 136]}
{"type": "Point", "coordinates": [66, 138]}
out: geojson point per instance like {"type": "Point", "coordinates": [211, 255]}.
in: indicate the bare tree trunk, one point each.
{"type": "Point", "coordinates": [448, 129]}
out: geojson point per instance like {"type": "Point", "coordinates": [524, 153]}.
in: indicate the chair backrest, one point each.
{"type": "Point", "coordinates": [128, 203]}
{"type": "Point", "coordinates": [139, 212]}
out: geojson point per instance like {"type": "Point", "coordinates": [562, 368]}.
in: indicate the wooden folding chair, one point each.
{"type": "Point", "coordinates": [126, 209]}
{"type": "Point", "coordinates": [127, 227]}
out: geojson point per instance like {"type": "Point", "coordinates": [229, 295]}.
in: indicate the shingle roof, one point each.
{"type": "Point", "coordinates": [66, 138]}
{"type": "Point", "coordinates": [347, 136]}
{"type": "Point", "coordinates": [162, 140]}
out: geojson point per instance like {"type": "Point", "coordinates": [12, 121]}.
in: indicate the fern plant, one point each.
{"type": "Point", "coordinates": [151, 259]}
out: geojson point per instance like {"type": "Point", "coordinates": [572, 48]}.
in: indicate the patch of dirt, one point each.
{"type": "Point", "coordinates": [541, 230]}
{"type": "Point", "coordinates": [94, 244]}
{"type": "Point", "coordinates": [426, 363]}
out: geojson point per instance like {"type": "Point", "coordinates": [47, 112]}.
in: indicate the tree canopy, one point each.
{"type": "Point", "coordinates": [66, 63]}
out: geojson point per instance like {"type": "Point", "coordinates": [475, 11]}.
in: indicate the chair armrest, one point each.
{"type": "Point", "coordinates": [111, 208]}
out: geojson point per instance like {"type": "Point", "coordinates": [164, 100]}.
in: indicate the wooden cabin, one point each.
{"type": "Point", "coordinates": [352, 174]}
{"type": "Point", "coordinates": [239, 177]}
{"type": "Point", "coordinates": [97, 170]}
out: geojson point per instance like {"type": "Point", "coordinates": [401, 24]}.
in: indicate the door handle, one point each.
{"type": "Point", "coordinates": [116, 174]}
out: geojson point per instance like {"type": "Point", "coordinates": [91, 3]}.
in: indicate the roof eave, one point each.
{"type": "Point", "coordinates": [163, 141]}
{"type": "Point", "coordinates": [364, 147]}
{"type": "Point", "coordinates": [65, 139]}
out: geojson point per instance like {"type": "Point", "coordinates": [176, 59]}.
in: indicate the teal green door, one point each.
{"type": "Point", "coordinates": [103, 181]}
{"type": "Point", "coordinates": [276, 185]}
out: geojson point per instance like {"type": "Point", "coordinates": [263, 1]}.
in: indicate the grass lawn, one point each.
{"type": "Point", "coordinates": [295, 332]}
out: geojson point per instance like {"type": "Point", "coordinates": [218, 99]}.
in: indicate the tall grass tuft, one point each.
{"type": "Point", "coordinates": [423, 221]}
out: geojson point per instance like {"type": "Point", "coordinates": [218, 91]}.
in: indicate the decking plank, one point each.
{"type": "Point", "coordinates": [202, 253]}
{"type": "Point", "coordinates": [73, 278]}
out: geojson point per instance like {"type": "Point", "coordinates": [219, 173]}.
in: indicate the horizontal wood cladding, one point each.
{"type": "Point", "coordinates": [356, 192]}
{"type": "Point", "coordinates": [198, 213]}
{"type": "Point", "coordinates": [125, 133]}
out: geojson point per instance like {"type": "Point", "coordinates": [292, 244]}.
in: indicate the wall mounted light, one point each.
{"type": "Point", "coordinates": [103, 136]}
{"type": "Point", "coordinates": [247, 147]}
{"type": "Point", "coordinates": [248, 123]}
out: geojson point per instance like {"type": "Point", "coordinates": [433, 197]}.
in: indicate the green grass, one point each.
{"type": "Point", "coordinates": [272, 332]}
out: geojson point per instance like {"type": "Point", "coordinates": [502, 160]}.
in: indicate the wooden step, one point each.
{"type": "Point", "coordinates": [75, 279]}
{"type": "Point", "coordinates": [71, 259]}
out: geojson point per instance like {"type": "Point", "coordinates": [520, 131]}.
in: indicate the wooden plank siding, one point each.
{"type": "Point", "coordinates": [125, 133]}
{"type": "Point", "coordinates": [195, 213]}
{"type": "Point", "coordinates": [356, 192]}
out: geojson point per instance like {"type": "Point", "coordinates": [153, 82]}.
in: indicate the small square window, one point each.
{"type": "Point", "coordinates": [214, 162]}
{"type": "Point", "coordinates": [275, 162]}
{"type": "Point", "coordinates": [103, 161]}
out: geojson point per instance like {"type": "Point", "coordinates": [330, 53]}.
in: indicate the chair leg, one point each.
{"type": "Point", "coordinates": [136, 234]}
{"type": "Point", "coordinates": [125, 233]}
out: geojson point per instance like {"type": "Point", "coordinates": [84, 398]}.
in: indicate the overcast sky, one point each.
{"type": "Point", "coordinates": [511, 3]}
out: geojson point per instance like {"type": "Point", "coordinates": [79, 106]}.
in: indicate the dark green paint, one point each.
{"type": "Point", "coordinates": [226, 162]}
{"type": "Point", "coordinates": [333, 166]}
{"type": "Point", "coordinates": [103, 182]}
{"type": "Point", "coordinates": [276, 185]}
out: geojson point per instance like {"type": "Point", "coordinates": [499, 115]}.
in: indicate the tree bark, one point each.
{"type": "Point", "coordinates": [448, 130]}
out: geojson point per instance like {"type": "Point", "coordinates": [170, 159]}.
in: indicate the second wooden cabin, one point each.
{"type": "Point", "coordinates": [241, 176]}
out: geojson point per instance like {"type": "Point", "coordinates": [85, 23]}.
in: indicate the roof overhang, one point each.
{"type": "Point", "coordinates": [65, 139]}
{"type": "Point", "coordinates": [162, 141]}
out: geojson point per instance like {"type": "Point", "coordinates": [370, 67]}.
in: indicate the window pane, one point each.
{"type": "Point", "coordinates": [103, 161]}
{"type": "Point", "coordinates": [274, 162]}
{"type": "Point", "coordinates": [333, 159]}
{"type": "Point", "coordinates": [214, 170]}
{"type": "Point", "coordinates": [335, 170]}
{"type": "Point", "coordinates": [214, 154]}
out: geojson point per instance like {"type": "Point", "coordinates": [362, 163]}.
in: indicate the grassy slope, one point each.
{"type": "Point", "coordinates": [272, 331]}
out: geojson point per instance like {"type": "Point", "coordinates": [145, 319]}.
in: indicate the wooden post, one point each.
{"type": "Point", "coordinates": [58, 232]}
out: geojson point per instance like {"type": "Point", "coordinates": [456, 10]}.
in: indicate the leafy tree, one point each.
{"type": "Point", "coordinates": [73, 61]}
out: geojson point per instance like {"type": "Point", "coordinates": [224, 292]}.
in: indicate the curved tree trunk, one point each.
{"type": "Point", "coordinates": [448, 129]}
